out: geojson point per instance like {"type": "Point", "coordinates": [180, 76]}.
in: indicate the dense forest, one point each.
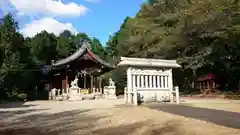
{"type": "Point", "coordinates": [202, 35]}
{"type": "Point", "coordinates": [22, 59]}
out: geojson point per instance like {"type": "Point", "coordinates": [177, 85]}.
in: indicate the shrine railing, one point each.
{"type": "Point", "coordinates": [150, 80]}
{"type": "Point", "coordinates": [58, 94]}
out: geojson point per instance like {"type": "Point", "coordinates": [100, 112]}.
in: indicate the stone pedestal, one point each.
{"type": "Point", "coordinates": [74, 95]}
{"type": "Point", "coordinates": [110, 92]}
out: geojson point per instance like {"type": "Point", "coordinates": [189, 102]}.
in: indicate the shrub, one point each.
{"type": "Point", "coordinates": [22, 97]}
{"type": "Point", "coordinates": [232, 95]}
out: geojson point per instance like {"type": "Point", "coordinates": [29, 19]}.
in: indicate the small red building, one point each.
{"type": "Point", "coordinates": [207, 83]}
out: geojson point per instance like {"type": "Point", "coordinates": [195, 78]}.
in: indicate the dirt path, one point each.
{"type": "Point", "coordinates": [99, 117]}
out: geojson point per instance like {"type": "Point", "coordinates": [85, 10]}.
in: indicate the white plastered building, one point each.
{"type": "Point", "coordinates": [149, 79]}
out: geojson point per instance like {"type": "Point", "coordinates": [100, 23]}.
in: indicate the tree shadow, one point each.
{"type": "Point", "coordinates": [219, 117]}
{"type": "Point", "coordinates": [119, 130]}
{"type": "Point", "coordinates": [54, 123]}
{"type": "Point", "coordinates": [9, 114]}
{"type": "Point", "coordinates": [169, 127]}
{"type": "Point", "coordinates": [41, 122]}
{"type": "Point", "coordinates": [15, 105]}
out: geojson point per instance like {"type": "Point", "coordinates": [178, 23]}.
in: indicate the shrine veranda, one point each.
{"type": "Point", "coordinates": [80, 75]}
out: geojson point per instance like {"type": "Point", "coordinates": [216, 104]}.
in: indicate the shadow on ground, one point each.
{"type": "Point", "coordinates": [15, 105]}
{"type": "Point", "coordinates": [219, 117]}
{"type": "Point", "coordinates": [5, 114]}
{"type": "Point", "coordinates": [46, 124]}
{"type": "Point", "coordinates": [143, 128]}
{"type": "Point", "coordinates": [85, 128]}
{"type": "Point", "coordinates": [77, 122]}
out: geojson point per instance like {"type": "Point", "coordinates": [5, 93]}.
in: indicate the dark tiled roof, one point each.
{"type": "Point", "coordinates": [79, 53]}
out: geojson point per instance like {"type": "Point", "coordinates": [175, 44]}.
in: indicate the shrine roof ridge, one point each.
{"type": "Point", "coordinates": [127, 61]}
{"type": "Point", "coordinates": [78, 54]}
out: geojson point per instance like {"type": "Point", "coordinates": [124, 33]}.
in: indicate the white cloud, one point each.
{"type": "Point", "coordinates": [5, 7]}
{"type": "Point", "coordinates": [48, 7]}
{"type": "Point", "coordinates": [92, 1]}
{"type": "Point", "coordinates": [49, 24]}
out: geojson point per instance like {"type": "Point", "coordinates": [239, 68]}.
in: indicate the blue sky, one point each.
{"type": "Point", "coordinates": [98, 18]}
{"type": "Point", "coordinates": [106, 17]}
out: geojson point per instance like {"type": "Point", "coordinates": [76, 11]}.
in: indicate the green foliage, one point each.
{"type": "Point", "coordinates": [22, 97]}
{"type": "Point", "coordinates": [44, 47]}
{"type": "Point", "coordinates": [203, 35]}
{"type": "Point", "coordinates": [12, 64]}
{"type": "Point", "coordinates": [65, 44]}
{"type": "Point", "coordinates": [21, 58]}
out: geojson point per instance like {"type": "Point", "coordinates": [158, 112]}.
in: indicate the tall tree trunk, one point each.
{"type": "Point", "coordinates": [194, 79]}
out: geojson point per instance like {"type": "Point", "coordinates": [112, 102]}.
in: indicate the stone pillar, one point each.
{"type": "Point", "coordinates": [161, 78]}
{"type": "Point", "coordinates": [53, 92]}
{"type": "Point", "coordinates": [158, 81]}
{"type": "Point", "coordinates": [150, 81]}
{"type": "Point", "coordinates": [138, 81]}
{"type": "Point", "coordinates": [154, 81]}
{"type": "Point", "coordinates": [146, 81]}
{"type": "Point", "coordinates": [142, 81]}
{"type": "Point", "coordinates": [166, 81]}
{"type": "Point", "coordinates": [170, 85]}
{"type": "Point", "coordinates": [125, 95]}
{"type": "Point", "coordinates": [135, 99]}
{"type": "Point", "coordinates": [129, 85]}
{"type": "Point", "coordinates": [177, 94]}
{"type": "Point", "coordinates": [50, 94]}
{"type": "Point", "coordinates": [134, 85]}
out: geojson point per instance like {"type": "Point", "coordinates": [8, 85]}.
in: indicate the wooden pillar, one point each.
{"type": "Point", "coordinates": [97, 84]}
{"type": "Point", "coordinates": [63, 87]}
{"type": "Point", "coordinates": [214, 85]}
{"type": "Point", "coordinates": [100, 85]}
{"type": "Point", "coordinates": [66, 91]}
{"type": "Point", "coordinates": [84, 79]}
{"type": "Point", "coordinates": [204, 85]}
{"type": "Point", "coordinates": [208, 84]}
{"type": "Point", "coordinates": [200, 85]}
{"type": "Point", "coordinates": [94, 83]}
{"type": "Point", "coordinates": [50, 90]}
{"type": "Point", "coordinates": [91, 87]}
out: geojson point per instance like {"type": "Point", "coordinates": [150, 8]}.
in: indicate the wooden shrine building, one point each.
{"type": "Point", "coordinates": [207, 83]}
{"type": "Point", "coordinates": [84, 65]}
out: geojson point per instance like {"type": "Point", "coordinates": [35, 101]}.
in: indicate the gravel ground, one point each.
{"type": "Point", "coordinates": [99, 117]}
